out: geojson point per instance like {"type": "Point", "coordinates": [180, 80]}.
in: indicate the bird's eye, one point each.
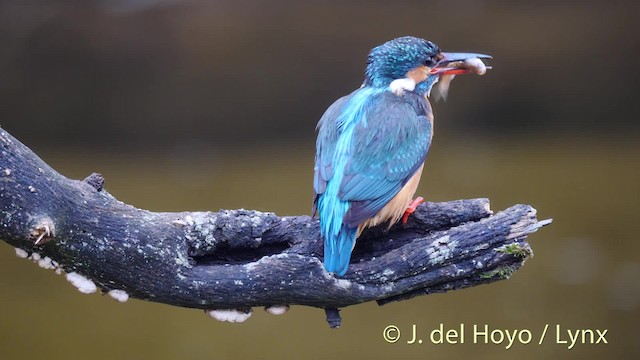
{"type": "Point", "coordinates": [431, 61]}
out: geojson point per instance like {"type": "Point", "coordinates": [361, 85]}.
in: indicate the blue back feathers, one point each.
{"type": "Point", "coordinates": [369, 145]}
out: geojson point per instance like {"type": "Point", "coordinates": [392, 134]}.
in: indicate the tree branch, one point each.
{"type": "Point", "coordinates": [238, 259]}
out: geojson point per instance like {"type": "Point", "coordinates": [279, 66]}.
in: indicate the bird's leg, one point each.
{"type": "Point", "coordinates": [411, 208]}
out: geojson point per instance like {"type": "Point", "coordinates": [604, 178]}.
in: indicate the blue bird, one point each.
{"type": "Point", "coordinates": [372, 143]}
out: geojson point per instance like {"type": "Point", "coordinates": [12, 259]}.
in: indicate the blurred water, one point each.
{"type": "Point", "coordinates": [584, 273]}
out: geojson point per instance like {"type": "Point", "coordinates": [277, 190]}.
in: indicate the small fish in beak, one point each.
{"type": "Point", "coordinates": [471, 65]}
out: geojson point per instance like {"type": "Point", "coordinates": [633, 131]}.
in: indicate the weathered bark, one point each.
{"type": "Point", "coordinates": [237, 259]}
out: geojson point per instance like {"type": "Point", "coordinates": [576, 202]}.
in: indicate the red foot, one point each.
{"type": "Point", "coordinates": [411, 208]}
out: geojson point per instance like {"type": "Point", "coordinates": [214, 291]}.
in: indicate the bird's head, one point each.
{"type": "Point", "coordinates": [395, 58]}
{"type": "Point", "coordinates": [417, 59]}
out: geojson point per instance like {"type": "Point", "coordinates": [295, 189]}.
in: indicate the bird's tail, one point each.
{"type": "Point", "coordinates": [337, 249]}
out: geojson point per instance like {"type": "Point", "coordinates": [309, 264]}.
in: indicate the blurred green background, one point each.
{"type": "Point", "coordinates": [192, 105]}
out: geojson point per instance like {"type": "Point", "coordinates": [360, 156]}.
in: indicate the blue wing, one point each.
{"type": "Point", "coordinates": [325, 147]}
{"type": "Point", "coordinates": [369, 145]}
{"type": "Point", "coordinates": [389, 145]}
{"type": "Point", "coordinates": [388, 149]}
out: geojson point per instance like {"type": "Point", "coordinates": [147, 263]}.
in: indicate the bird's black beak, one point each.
{"type": "Point", "coordinates": [445, 66]}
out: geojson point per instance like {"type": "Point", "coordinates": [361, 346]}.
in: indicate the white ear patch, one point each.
{"type": "Point", "coordinates": [229, 315]}
{"type": "Point", "coordinates": [399, 86]}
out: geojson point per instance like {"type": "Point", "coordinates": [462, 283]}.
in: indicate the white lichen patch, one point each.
{"type": "Point", "coordinates": [229, 315]}
{"type": "Point", "coordinates": [256, 221]}
{"type": "Point", "coordinates": [251, 266]}
{"type": "Point", "coordinates": [46, 263]}
{"type": "Point", "coordinates": [276, 309]}
{"type": "Point", "coordinates": [385, 275]}
{"type": "Point", "coordinates": [182, 260]}
{"type": "Point", "coordinates": [443, 251]}
{"type": "Point", "coordinates": [441, 240]}
{"type": "Point", "coordinates": [81, 283]}
{"type": "Point", "coordinates": [21, 253]}
{"type": "Point", "coordinates": [343, 284]}
{"type": "Point", "coordinates": [119, 295]}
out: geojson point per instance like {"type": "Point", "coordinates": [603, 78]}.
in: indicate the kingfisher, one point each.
{"type": "Point", "coordinates": [372, 143]}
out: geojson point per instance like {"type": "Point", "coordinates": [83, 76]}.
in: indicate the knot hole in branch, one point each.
{"type": "Point", "coordinates": [232, 236]}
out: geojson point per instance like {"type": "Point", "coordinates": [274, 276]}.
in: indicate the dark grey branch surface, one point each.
{"type": "Point", "coordinates": [236, 259]}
